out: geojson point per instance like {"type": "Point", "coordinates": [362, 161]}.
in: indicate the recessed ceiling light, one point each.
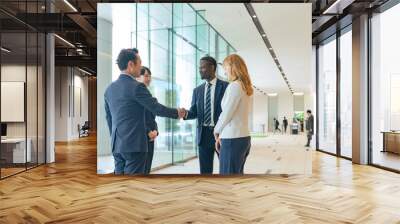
{"type": "Point", "coordinates": [272, 94]}
{"type": "Point", "coordinates": [254, 16]}
{"type": "Point", "coordinates": [298, 94]}
{"type": "Point", "coordinates": [264, 35]}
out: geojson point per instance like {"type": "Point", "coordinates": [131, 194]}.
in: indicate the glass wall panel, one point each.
{"type": "Point", "coordinates": [327, 96]}
{"type": "Point", "coordinates": [14, 153]}
{"type": "Point", "coordinates": [143, 32]}
{"type": "Point", "coordinates": [203, 43]}
{"type": "Point", "coordinates": [184, 78]}
{"type": "Point", "coordinates": [22, 91]}
{"type": "Point", "coordinates": [32, 98]}
{"type": "Point", "coordinates": [41, 107]}
{"type": "Point", "coordinates": [222, 53]}
{"type": "Point", "coordinates": [385, 84]}
{"type": "Point", "coordinates": [346, 94]}
{"type": "Point", "coordinates": [213, 37]}
{"type": "Point", "coordinates": [160, 54]}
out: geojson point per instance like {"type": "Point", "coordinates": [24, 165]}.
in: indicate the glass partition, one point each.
{"type": "Point", "coordinates": [385, 89]}
{"type": "Point", "coordinates": [22, 107]}
{"type": "Point", "coordinates": [184, 79]}
{"type": "Point", "coordinates": [327, 95]}
{"type": "Point", "coordinates": [346, 93]}
{"type": "Point", "coordinates": [160, 22]}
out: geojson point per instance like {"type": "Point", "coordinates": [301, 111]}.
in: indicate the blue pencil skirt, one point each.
{"type": "Point", "coordinates": [234, 152]}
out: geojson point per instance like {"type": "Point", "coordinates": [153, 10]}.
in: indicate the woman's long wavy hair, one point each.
{"type": "Point", "coordinates": [238, 71]}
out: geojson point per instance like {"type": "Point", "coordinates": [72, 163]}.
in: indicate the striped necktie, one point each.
{"type": "Point", "coordinates": [207, 111]}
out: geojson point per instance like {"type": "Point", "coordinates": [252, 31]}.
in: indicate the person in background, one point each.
{"type": "Point", "coordinates": [150, 120]}
{"type": "Point", "coordinates": [232, 135]}
{"type": "Point", "coordinates": [276, 124]}
{"type": "Point", "coordinates": [285, 124]}
{"type": "Point", "coordinates": [206, 107]}
{"type": "Point", "coordinates": [125, 102]}
{"type": "Point", "coordinates": [309, 127]}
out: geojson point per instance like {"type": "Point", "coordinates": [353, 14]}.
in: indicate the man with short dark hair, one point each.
{"type": "Point", "coordinates": [125, 103]}
{"type": "Point", "coordinates": [206, 107]}
{"type": "Point", "coordinates": [309, 127]}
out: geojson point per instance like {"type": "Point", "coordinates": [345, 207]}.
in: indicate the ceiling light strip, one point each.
{"type": "Point", "coordinates": [264, 36]}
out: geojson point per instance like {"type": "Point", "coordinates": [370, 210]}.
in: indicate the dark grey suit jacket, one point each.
{"type": "Point", "coordinates": [310, 125]}
{"type": "Point", "coordinates": [197, 107]}
{"type": "Point", "coordinates": [126, 101]}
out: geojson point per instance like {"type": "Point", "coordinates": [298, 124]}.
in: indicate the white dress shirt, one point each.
{"type": "Point", "coordinates": [213, 84]}
{"type": "Point", "coordinates": [234, 119]}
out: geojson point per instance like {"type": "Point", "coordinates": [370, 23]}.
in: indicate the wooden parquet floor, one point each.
{"type": "Point", "coordinates": [70, 191]}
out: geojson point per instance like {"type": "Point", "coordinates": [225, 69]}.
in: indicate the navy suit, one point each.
{"type": "Point", "coordinates": [151, 125]}
{"type": "Point", "coordinates": [205, 135]}
{"type": "Point", "coordinates": [126, 101]}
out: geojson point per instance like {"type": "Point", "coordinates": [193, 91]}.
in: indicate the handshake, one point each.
{"type": "Point", "coordinates": [182, 113]}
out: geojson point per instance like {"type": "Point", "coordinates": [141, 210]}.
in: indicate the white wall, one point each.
{"type": "Point", "coordinates": [285, 106]}
{"type": "Point", "coordinates": [70, 83]}
{"type": "Point", "coordinates": [260, 112]}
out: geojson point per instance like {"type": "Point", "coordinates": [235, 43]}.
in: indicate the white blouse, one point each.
{"type": "Point", "coordinates": [234, 119]}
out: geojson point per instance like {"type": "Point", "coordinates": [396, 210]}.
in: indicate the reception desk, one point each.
{"type": "Point", "coordinates": [391, 142]}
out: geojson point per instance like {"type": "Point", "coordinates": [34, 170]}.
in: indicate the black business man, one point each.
{"type": "Point", "coordinates": [206, 107]}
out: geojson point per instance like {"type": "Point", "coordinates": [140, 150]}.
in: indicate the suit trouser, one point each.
{"type": "Point", "coordinates": [309, 137]}
{"type": "Point", "coordinates": [206, 150]}
{"type": "Point", "coordinates": [234, 152]}
{"type": "Point", "coordinates": [150, 154]}
{"type": "Point", "coordinates": [129, 163]}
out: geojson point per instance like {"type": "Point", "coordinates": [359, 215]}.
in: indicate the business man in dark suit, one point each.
{"type": "Point", "coordinates": [309, 127]}
{"type": "Point", "coordinates": [206, 107]}
{"type": "Point", "coordinates": [150, 120]}
{"type": "Point", "coordinates": [125, 103]}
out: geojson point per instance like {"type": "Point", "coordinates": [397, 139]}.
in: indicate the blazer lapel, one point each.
{"type": "Point", "coordinates": [217, 95]}
{"type": "Point", "coordinates": [201, 98]}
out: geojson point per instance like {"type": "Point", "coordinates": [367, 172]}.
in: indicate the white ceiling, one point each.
{"type": "Point", "coordinates": [288, 27]}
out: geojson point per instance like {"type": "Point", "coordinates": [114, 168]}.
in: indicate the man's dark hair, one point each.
{"type": "Point", "coordinates": [126, 55]}
{"type": "Point", "coordinates": [210, 60]}
{"type": "Point", "coordinates": [309, 111]}
{"type": "Point", "coordinates": [144, 69]}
